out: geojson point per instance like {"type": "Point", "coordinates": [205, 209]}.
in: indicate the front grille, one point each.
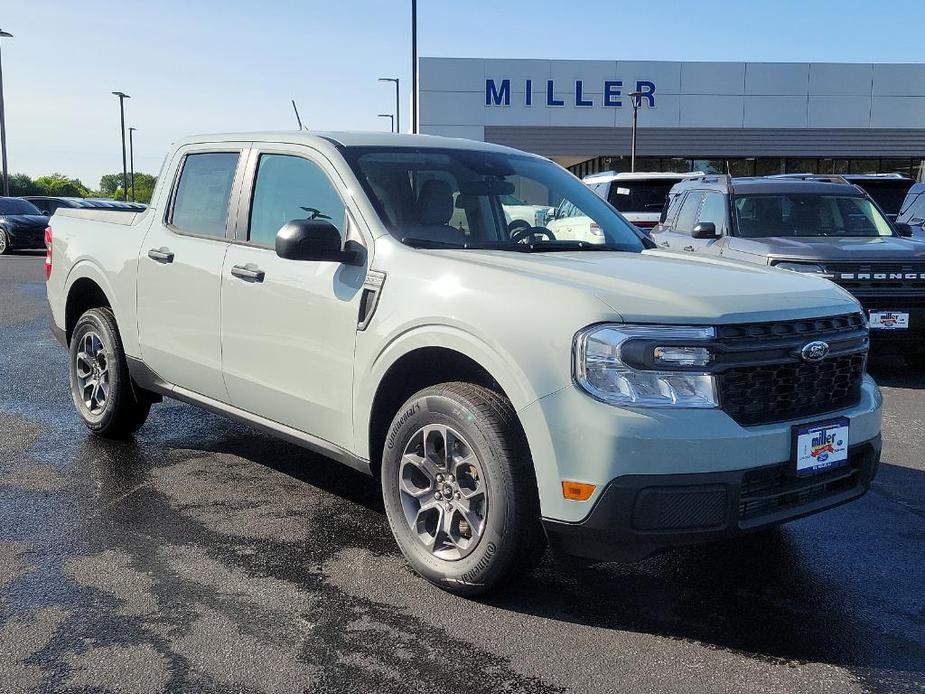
{"type": "Point", "coordinates": [767, 490]}
{"type": "Point", "coordinates": [811, 328]}
{"type": "Point", "coordinates": [779, 392]}
{"type": "Point", "coordinates": [890, 277]}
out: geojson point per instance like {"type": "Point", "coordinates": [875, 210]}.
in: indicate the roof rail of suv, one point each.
{"type": "Point", "coordinates": [710, 178]}
{"type": "Point", "coordinates": [822, 178]}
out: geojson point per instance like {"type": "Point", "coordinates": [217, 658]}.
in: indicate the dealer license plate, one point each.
{"type": "Point", "coordinates": [889, 320]}
{"type": "Point", "coordinates": [820, 446]}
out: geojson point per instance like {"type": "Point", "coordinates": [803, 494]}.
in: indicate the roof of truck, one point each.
{"type": "Point", "coordinates": [347, 139]}
{"type": "Point", "coordinates": [758, 185]}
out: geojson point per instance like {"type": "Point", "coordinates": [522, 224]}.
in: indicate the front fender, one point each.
{"type": "Point", "coordinates": [509, 373]}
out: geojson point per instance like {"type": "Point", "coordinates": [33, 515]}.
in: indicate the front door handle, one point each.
{"type": "Point", "coordinates": [161, 255]}
{"type": "Point", "coordinates": [249, 272]}
{"type": "Point", "coordinates": [689, 248]}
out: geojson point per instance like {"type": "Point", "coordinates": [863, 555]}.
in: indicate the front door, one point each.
{"type": "Point", "coordinates": [289, 327]}
{"type": "Point", "coordinates": [180, 274]}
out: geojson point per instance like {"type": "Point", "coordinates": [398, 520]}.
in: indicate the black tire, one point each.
{"type": "Point", "coordinates": [4, 242]}
{"type": "Point", "coordinates": [512, 541]}
{"type": "Point", "coordinates": [124, 410]}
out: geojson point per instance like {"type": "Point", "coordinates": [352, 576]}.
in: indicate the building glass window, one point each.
{"type": "Point", "coordinates": [742, 167]}
{"type": "Point", "coordinates": [768, 166]}
{"type": "Point", "coordinates": [900, 166]}
{"type": "Point", "coordinates": [711, 166]}
{"type": "Point", "coordinates": [802, 166]}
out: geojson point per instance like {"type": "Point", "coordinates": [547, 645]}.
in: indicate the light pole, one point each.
{"type": "Point", "coordinates": [414, 67]}
{"type": "Point", "coordinates": [391, 119]}
{"type": "Point", "coordinates": [637, 102]}
{"type": "Point", "coordinates": [131, 158]}
{"type": "Point", "coordinates": [122, 97]}
{"type": "Point", "coordinates": [397, 102]}
{"type": "Point", "coordinates": [6, 172]}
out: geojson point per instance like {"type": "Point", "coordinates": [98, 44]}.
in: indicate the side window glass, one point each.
{"type": "Point", "coordinates": [714, 210]}
{"type": "Point", "coordinates": [917, 212]}
{"type": "Point", "coordinates": [201, 201]}
{"type": "Point", "coordinates": [670, 210]}
{"type": "Point", "coordinates": [290, 187]}
{"type": "Point", "coordinates": [688, 213]}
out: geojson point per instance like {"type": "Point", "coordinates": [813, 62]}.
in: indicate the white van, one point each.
{"type": "Point", "coordinates": [639, 196]}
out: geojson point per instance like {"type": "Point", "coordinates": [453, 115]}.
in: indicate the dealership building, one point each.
{"type": "Point", "coordinates": [740, 118]}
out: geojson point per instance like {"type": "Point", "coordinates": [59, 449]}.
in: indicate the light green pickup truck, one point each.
{"type": "Point", "coordinates": [510, 389]}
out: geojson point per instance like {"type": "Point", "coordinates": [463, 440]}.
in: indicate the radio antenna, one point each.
{"type": "Point", "coordinates": [298, 120]}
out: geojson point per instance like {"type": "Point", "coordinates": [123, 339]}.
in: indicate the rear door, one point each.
{"type": "Point", "coordinates": [288, 326]}
{"type": "Point", "coordinates": [677, 233]}
{"type": "Point", "coordinates": [180, 271]}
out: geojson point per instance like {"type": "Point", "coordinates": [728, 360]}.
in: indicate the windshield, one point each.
{"type": "Point", "coordinates": [477, 199]}
{"type": "Point", "coordinates": [799, 214]}
{"type": "Point", "coordinates": [642, 195]}
{"type": "Point", "coordinates": [17, 206]}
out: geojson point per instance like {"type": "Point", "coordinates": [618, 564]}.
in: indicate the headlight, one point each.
{"type": "Point", "coordinates": [601, 370]}
{"type": "Point", "coordinates": [801, 267]}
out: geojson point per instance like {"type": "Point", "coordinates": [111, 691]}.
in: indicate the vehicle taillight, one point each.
{"type": "Point", "coordinates": [48, 236]}
{"type": "Point", "coordinates": [646, 225]}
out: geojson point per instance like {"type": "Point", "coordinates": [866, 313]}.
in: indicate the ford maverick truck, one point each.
{"type": "Point", "coordinates": [370, 298]}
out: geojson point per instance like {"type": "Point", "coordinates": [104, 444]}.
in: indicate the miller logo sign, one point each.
{"type": "Point", "coordinates": [606, 94]}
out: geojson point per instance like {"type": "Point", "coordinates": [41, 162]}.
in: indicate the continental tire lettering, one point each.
{"type": "Point", "coordinates": [470, 575]}
{"type": "Point", "coordinates": [416, 407]}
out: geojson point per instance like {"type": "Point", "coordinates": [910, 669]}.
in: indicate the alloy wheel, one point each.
{"type": "Point", "coordinates": [92, 370]}
{"type": "Point", "coordinates": [443, 492]}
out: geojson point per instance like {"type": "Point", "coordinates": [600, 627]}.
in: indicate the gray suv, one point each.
{"type": "Point", "coordinates": [826, 227]}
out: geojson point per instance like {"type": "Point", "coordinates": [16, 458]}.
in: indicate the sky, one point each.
{"type": "Point", "coordinates": [198, 66]}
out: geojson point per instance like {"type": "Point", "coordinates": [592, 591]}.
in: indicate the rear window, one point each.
{"type": "Point", "coordinates": [17, 206]}
{"type": "Point", "coordinates": [201, 201]}
{"type": "Point", "coordinates": [640, 196]}
{"type": "Point", "coordinates": [888, 194]}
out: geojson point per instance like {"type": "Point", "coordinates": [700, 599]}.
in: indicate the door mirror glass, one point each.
{"type": "Point", "coordinates": [312, 239]}
{"type": "Point", "coordinates": [704, 230]}
{"type": "Point", "coordinates": [903, 229]}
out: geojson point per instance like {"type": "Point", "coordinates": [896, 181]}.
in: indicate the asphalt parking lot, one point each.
{"type": "Point", "coordinates": [203, 556]}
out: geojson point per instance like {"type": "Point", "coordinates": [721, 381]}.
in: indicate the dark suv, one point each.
{"type": "Point", "coordinates": [829, 228]}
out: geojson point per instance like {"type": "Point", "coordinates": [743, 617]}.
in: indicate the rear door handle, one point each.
{"type": "Point", "coordinates": [249, 272]}
{"type": "Point", "coordinates": [161, 255]}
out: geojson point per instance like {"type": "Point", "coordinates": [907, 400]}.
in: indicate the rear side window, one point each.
{"type": "Point", "coordinates": [289, 188]}
{"type": "Point", "coordinates": [688, 213]}
{"type": "Point", "coordinates": [201, 202]}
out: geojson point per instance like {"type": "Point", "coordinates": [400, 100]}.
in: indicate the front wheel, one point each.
{"type": "Point", "coordinates": [4, 242]}
{"type": "Point", "coordinates": [459, 489]}
{"type": "Point", "coordinates": [101, 386]}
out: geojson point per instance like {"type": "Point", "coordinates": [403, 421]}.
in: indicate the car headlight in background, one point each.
{"type": "Point", "coordinates": [599, 366]}
{"type": "Point", "coordinates": [810, 268]}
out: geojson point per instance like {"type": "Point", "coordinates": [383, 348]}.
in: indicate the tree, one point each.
{"type": "Point", "coordinates": [22, 184]}
{"type": "Point", "coordinates": [60, 185]}
{"type": "Point", "coordinates": [111, 186]}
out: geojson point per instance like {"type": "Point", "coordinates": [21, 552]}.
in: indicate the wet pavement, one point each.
{"type": "Point", "coordinates": [202, 556]}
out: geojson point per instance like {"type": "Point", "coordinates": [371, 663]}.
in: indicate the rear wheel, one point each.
{"type": "Point", "coordinates": [459, 489]}
{"type": "Point", "coordinates": [101, 386]}
{"type": "Point", "coordinates": [4, 242]}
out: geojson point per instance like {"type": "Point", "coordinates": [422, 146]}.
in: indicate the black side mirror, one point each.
{"type": "Point", "coordinates": [704, 230]}
{"type": "Point", "coordinates": [312, 239]}
{"type": "Point", "coordinates": [903, 229]}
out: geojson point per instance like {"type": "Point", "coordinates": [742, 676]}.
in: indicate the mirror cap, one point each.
{"type": "Point", "coordinates": [705, 230]}
{"type": "Point", "coordinates": [309, 239]}
{"type": "Point", "coordinates": [903, 229]}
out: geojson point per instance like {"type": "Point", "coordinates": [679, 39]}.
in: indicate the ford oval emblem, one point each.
{"type": "Point", "coordinates": [814, 351]}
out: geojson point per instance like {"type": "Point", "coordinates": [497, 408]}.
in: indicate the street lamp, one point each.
{"type": "Point", "coordinates": [397, 127]}
{"type": "Point", "coordinates": [131, 158]}
{"type": "Point", "coordinates": [637, 102]}
{"type": "Point", "coordinates": [122, 97]}
{"type": "Point", "coordinates": [414, 67]}
{"type": "Point", "coordinates": [391, 119]}
{"type": "Point", "coordinates": [6, 172]}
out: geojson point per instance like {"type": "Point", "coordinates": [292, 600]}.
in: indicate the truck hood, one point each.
{"type": "Point", "coordinates": [661, 286]}
{"type": "Point", "coordinates": [828, 249]}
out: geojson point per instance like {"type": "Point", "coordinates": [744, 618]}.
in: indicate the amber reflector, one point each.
{"type": "Point", "coordinates": [577, 491]}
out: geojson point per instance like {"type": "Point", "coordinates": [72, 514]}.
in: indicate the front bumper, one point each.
{"type": "Point", "coordinates": [907, 341]}
{"type": "Point", "coordinates": [639, 515]}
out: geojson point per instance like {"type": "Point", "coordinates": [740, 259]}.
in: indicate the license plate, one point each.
{"type": "Point", "coordinates": [820, 446]}
{"type": "Point", "coordinates": [889, 320]}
